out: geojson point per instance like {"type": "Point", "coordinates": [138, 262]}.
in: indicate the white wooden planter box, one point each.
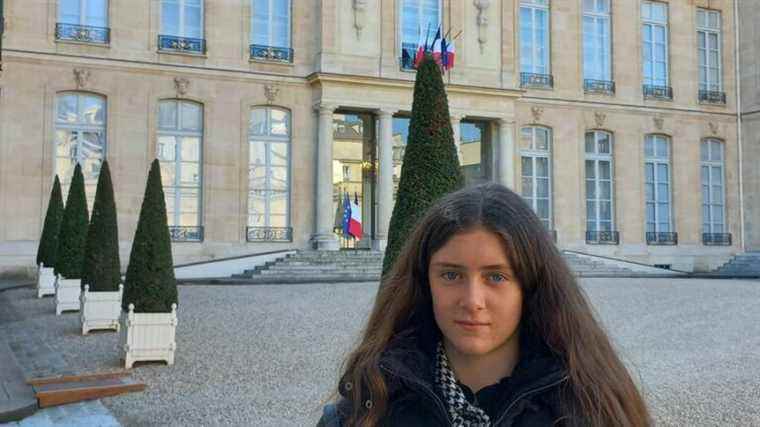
{"type": "Point", "coordinates": [67, 292]}
{"type": "Point", "coordinates": [148, 336]}
{"type": "Point", "coordinates": [100, 310]}
{"type": "Point", "coordinates": [45, 281]}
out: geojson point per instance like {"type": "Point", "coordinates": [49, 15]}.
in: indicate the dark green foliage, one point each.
{"type": "Point", "coordinates": [49, 240]}
{"type": "Point", "coordinates": [150, 283]}
{"type": "Point", "coordinates": [431, 167]}
{"type": "Point", "coordinates": [70, 254]}
{"type": "Point", "coordinates": [101, 253]}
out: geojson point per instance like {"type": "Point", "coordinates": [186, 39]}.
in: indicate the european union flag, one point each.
{"type": "Point", "coordinates": [346, 213]}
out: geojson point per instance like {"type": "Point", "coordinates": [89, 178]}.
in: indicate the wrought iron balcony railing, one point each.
{"type": "Point", "coordinates": [662, 238]}
{"type": "Point", "coordinates": [536, 81]}
{"type": "Point", "coordinates": [185, 233]}
{"type": "Point", "coordinates": [712, 97]}
{"type": "Point", "coordinates": [716, 239]}
{"type": "Point", "coordinates": [603, 237]}
{"type": "Point", "coordinates": [82, 33]}
{"type": "Point", "coordinates": [181, 44]}
{"type": "Point", "coordinates": [271, 53]}
{"type": "Point", "coordinates": [604, 87]}
{"type": "Point", "coordinates": [658, 92]}
{"type": "Point", "coordinates": [269, 234]}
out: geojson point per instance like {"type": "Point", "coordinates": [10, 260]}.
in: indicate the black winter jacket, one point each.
{"type": "Point", "coordinates": [529, 397]}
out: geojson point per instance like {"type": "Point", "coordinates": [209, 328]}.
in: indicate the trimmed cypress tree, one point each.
{"type": "Point", "coordinates": [71, 240]}
{"type": "Point", "coordinates": [431, 166]}
{"type": "Point", "coordinates": [150, 284]}
{"type": "Point", "coordinates": [101, 268]}
{"type": "Point", "coordinates": [49, 240]}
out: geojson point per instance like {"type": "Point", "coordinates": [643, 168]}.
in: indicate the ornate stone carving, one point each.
{"type": "Point", "coordinates": [659, 122]}
{"type": "Point", "coordinates": [271, 91]}
{"type": "Point", "coordinates": [81, 77]}
{"type": "Point", "coordinates": [714, 128]}
{"type": "Point", "coordinates": [537, 112]}
{"type": "Point", "coordinates": [360, 11]}
{"type": "Point", "coordinates": [599, 119]}
{"type": "Point", "coordinates": [182, 85]}
{"type": "Point", "coordinates": [482, 21]}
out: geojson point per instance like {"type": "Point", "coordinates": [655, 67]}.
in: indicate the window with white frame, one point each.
{"type": "Point", "coordinates": [270, 23]}
{"type": "Point", "coordinates": [654, 48]}
{"type": "Point", "coordinates": [80, 137]}
{"type": "Point", "coordinates": [418, 19]}
{"type": "Point", "coordinates": [708, 50]}
{"type": "Point", "coordinates": [178, 148]}
{"type": "Point", "coordinates": [534, 36]}
{"type": "Point", "coordinates": [182, 18]}
{"type": "Point", "coordinates": [91, 13]}
{"type": "Point", "coordinates": [713, 194]}
{"type": "Point", "coordinates": [657, 184]}
{"type": "Point", "coordinates": [599, 182]}
{"type": "Point", "coordinates": [269, 168]}
{"type": "Point", "coordinates": [596, 40]}
{"type": "Point", "coordinates": [535, 153]}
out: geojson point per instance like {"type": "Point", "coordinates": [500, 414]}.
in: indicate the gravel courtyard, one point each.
{"type": "Point", "coordinates": [268, 355]}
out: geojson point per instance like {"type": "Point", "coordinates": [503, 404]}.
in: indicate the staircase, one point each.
{"type": "Point", "coordinates": [592, 266]}
{"type": "Point", "coordinates": [742, 265]}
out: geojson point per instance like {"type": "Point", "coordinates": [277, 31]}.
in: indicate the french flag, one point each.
{"type": "Point", "coordinates": [437, 47]}
{"type": "Point", "coordinates": [420, 52]}
{"type": "Point", "coordinates": [448, 55]}
{"type": "Point", "coordinates": [355, 223]}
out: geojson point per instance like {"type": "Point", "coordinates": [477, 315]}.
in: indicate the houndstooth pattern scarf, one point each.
{"type": "Point", "coordinates": [461, 412]}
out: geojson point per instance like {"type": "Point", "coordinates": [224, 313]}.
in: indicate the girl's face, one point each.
{"type": "Point", "coordinates": [477, 302]}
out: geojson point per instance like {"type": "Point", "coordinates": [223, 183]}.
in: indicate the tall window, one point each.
{"type": "Point", "coordinates": [599, 182]}
{"type": "Point", "coordinates": [270, 23]}
{"type": "Point", "coordinates": [400, 136]}
{"type": "Point", "coordinates": [534, 36]}
{"type": "Point", "coordinates": [268, 172]}
{"type": "Point", "coordinates": [657, 184]}
{"type": "Point", "coordinates": [93, 13]}
{"type": "Point", "coordinates": [654, 29]}
{"type": "Point", "coordinates": [179, 147]}
{"type": "Point", "coordinates": [713, 196]}
{"type": "Point", "coordinates": [80, 136]}
{"type": "Point", "coordinates": [708, 50]}
{"type": "Point", "coordinates": [596, 40]}
{"type": "Point", "coordinates": [535, 150]}
{"type": "Point", "coordinates": [182, 18]}
{"type": "Point", "coordinates": [418, 17]}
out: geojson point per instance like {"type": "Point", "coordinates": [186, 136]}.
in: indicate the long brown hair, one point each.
{"type": "Point", "coordinates": [599, 390]}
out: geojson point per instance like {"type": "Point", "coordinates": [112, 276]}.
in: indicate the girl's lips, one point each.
{"type": "Point", "coordinates": [470, 325]}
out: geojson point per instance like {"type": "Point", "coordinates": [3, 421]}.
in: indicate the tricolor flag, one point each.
{"type": "Point", "coordinates": [355, 224]}
{"type": "Point", "coordinates": [346, 214]}
{"type": "Point", "coordinates": [420, 51]}
{"type": "Point", "coordinates": [449, 55]}
{"type": "Point", "coordinates": [437, 47]}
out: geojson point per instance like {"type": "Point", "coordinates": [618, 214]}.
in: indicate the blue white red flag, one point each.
{"type": "Point", "coordinates": [355, 226]}
{"type": "Point", "coordinates": [346, 214]}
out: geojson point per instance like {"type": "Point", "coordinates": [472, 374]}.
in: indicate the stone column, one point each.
{"type": "Point", "coordinates": [324, 239]}
{"type": "Point", "coordinates": [384, 179]}
{"type": "Point", "coordinates": [455, 126]}
{"type": "Point", "coordinates": [506, 153]}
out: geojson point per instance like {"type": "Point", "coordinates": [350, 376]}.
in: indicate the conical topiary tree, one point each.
{"type": "Point", "coordinates": [101, 268]}
{"type": "Point", "coordinates": [46, 252]}
{"type": "Point", "coordinates": [150, 284]}
{"type": "Point", "coordinates": [431, 166]}
{"type": "Point", "coordinates": [73, 234]}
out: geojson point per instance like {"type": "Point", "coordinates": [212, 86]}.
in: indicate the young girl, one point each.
{"type": "Point", "coordinates": [481, 323]}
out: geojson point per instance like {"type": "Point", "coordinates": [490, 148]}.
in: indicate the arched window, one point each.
{"type": "Point", "coordinates": [80, 136]}
{"type": "Point", "coordinates": [659, 224]}
{"type": "Point", "coordinates": [179, 150]}
{"type": "Point", "coordinates": [269, 174]}
{"type": "Point", "coordinates": [535, 153]}
{"type": "Point", "coordinates": [713, 192]}
{"type": "Point", "coordinates": [600, 213]}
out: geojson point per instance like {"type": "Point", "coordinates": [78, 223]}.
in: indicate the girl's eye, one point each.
{"type": "Point", "coordinates": [450, 275]}
{"type": "Point", "coordinates": [497, 277]}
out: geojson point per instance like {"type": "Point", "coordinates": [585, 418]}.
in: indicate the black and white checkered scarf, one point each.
{"type": "Point", "coordinates": [461, 412]}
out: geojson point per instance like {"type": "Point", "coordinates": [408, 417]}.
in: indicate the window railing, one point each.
{"type": "Point", "coordinates": [662, 238]}
{"type": "Point", "coordinates": [716, 239]}
{"type": "Point", "coordinates": [604, 87]}
{"type": "Point", "coordinates": [185, 233]}
{"type": "Point", "coordinates": [271, 53]}
{"type": "Point", "coordinates": [712, 97]}
{"type": "Point", "coordinates": [181, 44]}
{"type": "Point", "coordinates": [82, 33]}
{"type": "Point", "coordinates": [536, 81]}
{"type": "Point", "coordinates": [603, 237]}
{"type": "Point", "coordinates": [658, 92]}
{"type": "Point", "coordinates": [269, 234]}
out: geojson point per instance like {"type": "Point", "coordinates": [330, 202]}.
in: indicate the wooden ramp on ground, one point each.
{"type": "Point", "coordinates": [69, 389]}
